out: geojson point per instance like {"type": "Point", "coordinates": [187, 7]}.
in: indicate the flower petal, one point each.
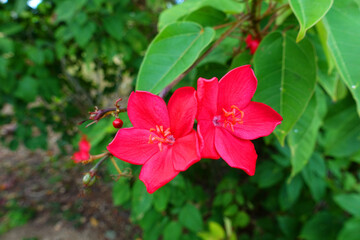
{"type": "Point", "coordinates": [237, 88]}
{"type": "Point", "coordinates": [84, 145]}
{"type": "Point", "coordinates": [158, 171]}
{"type": "Point", "coordinates": [207, 95]}
{"type": "Point", "coordinates": [80, 156]}
{"type": "Point", "coordinates": [236, 152]}
{"type": "Point", "coordinates": [147, 110]}
{"type": "Point", "coordinates": [185, 151]}
{"type": "Point", "coordinates": [132, 145]}
{"type": "Point", "coordinates": [182, 108]}
{"type": "Point", "coordinates": [206, 131]}
{"type": "Point", "coordinates": [259, 120]}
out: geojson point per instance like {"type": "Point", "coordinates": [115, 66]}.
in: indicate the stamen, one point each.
{"type": "Point", "coordinates": [231, 119]}
{"type": "Point", "coordinates": [161, 137]}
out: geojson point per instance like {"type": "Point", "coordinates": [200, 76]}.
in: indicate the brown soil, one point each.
{"type": "Point", "coordinates": [52, 189]}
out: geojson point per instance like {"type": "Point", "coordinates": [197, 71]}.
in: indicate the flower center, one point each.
{"type": "Point", "coordinates": [159, 136]}
{"type": "Point", "coordinates": [230, 118]}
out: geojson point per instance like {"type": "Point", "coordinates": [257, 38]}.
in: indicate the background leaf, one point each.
{"type": "Point", "coordinates": [190, 218]}
{"type": "Point", "coordinates": [173, 50]}
{"type": "Point", "coordinates": [349, 202]}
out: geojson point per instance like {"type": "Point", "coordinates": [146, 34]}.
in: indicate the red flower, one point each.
{"type": "Point", "coordinates": [228, 120]}
{"type": "Point", "coordinates": [162, 139]}
{"type": "Point", "coordinates": [83, 154]}
{"type": "Point", "coordinates": [252, 43]}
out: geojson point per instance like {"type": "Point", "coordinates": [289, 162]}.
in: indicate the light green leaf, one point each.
{"type": "Point", "coordinates": [349, 202]}
{"type": "Point", "coordinates": [190, 218]}
{"type": "Point", "coordinates": [172, 51]}
{"type": "Point", "coordinates": [216, 230]}
{"type": "Point", "coordinates": [350, 231]}
{"type": "Point", "coordinates": [308, 13]}
{"type": "Point", "coordinates": [286, 73]}
{"type": "Point", "coordinates": [303, 137]}
{"type": "Point", "coordinates": [85, 33]}
{"type": "Point", "coordinates": [175, 13]}
{"type": "Point", "coordinates": [114, 26]}
{"type": "Point", "coordinates": [343, 27]}
{"type": "Point", "coordinates": [161, 198]}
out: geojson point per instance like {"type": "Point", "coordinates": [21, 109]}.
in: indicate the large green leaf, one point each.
{"type": "Point", "coordinates": [175, 13]}
{"type": "Point", "coordinates": [343, 27]}
{"type": "Point", "coordinates": [302, 138]}
{"type": "Point", "coordinates": [349, 202]}
{"type": "Point", "coordinates": [172, 51]}
{"type": "Point", "coordinates": [141, 201]}
{"type": "Point", "coordinates": [308, 13]}
{"type": "Point", "coordinates": [286, 73]}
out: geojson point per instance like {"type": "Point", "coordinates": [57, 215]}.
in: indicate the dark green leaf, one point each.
{"type": "Point", "coordinates": [114, 26]}
{"type": "Point", "coordinates": [290, 192]}
{"type": "Point", "coordinates": [161, 198]}
{"type": "Point", "coordinates": [27, 89]}
{"type": "Point", "coordinates": [314, 175]}
{"type": "Point", "coordinates": [321, 226]}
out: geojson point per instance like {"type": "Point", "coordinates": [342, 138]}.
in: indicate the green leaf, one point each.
{"type": "Point", "coordinates": [314, 176]}
{"type": "Point", "coordinates": [175, 13]}
{"type": "Point", "coordinates": [141, 200]}
{"type": "Point", "coordinates": [190, 218]}
{"type": "Point", "coordinates": [172, 51]}
{"type": "Point", "coordinates": [302, 138]}
{"type": "Point", "coordinates": [241, 59]}
{"type": "Point", "coordinates": [349, 202]}
{"type": "Point", "coordinates": [342, 129]}
{"type": "Point", "coordinates": [321, 226]}
{"type": "Point", "coordinates": [288, 226]}
{"type": "Point", "coordinates": [286, 74]}
{"type": "Point", "coordinates": [343, 39]}
{"type": "Point", "coordinates": [350, 231]}
{"type": "Point", "coordinates": [121, 192]}
{"type": "Point", "coordinates": [308, 13]}
{"type": "Point", "coordinates": [172, 231]}
{"type": "Point", "coordinates": [27, 89]}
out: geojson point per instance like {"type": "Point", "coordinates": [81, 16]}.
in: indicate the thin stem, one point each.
{"type": "Point", "coordinates": [115, 165]}
{"type": "Point", "coordinates": [165, 91]}
{"type": "Point", "coordinates": [94, 168]}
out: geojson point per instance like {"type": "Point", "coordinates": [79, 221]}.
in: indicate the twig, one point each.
{"type": "Point", "coordinates": [165, 91]}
